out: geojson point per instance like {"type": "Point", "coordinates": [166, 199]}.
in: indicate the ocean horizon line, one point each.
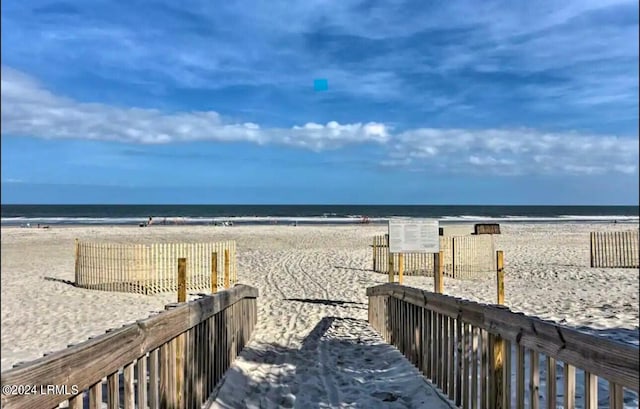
{"type": "Point", "coordinates": [311, 204]}
{"type": "Point", "coordinates": [317, 220]}
{"type": "Point", "coordinates": [311, 214]}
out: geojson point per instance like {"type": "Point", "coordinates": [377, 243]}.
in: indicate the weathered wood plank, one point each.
{"type": "Point", "coordinates": [520, 377]}
{"type": "Point", "coordinates": [551, 383]}
{"type": "Point", "coordinates": [95, 396]}
{"type": "Point", "coordinates": [154, 375]}
{"type": "Point", "coordinates": [76, 402]}
{"type": "Point", "coordinates": [180, 364]}
{"type": "Point", "coordinates": [467, 357]}
{"type": "Point", "coordinates": [163, 361]}
{"type": "Point", "coordinates": [475, 334]}
{"type": "Point", "coordinates": [496, 372]}
{"type": "Point", "coordinates": [534, 380]}
{"type": "Point", "coordinates": [438, 342]}
{"type": "Point", "coordinates": [432, 346]}
{"type": "Point", "coordinates": [452, 352]}
{"type": "Point", "coordinates": [569, 386]}
{"type": "Point", "coordinates": [129, 389]}
{"type": "Point", "coordinates": [590, 391]}
{"type": "Point", "coordinates": [113, 391]}
{"type": "Point", "coordinates": [506, 403]}
{"type": "Point", "coordinates": [616, 397]}
{"type": "Point", "coordinates": [446, 355]}
{"type": "Point", "coordinates": [460, 361]}
{"type": "Point", "coordinates": [484, 372]}
{"type": "Point", "coordinates": [142, 382]}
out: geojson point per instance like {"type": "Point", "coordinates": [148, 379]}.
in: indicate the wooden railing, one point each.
{"type": "Point", "coordinates": [480, 355]}
{"type": "Point", "coordinates": [615, 249]}
{"type": "Point", "coordinates": [171, 360]}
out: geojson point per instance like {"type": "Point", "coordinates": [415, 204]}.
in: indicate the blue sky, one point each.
{"type": "Point", "coordinates": [463, 102]}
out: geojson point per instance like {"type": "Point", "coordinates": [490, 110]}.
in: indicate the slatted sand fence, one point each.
{"type": "Point", "coordinates": [174, 359]}
{"type": "Point", "coordinates": [486, 356]}
{"type": "Point", "coordinates": [465, 257]}
{"type": "Point", "coordinates": [153, 268]}
{"type": "Point", "coordinates": [615, 249]}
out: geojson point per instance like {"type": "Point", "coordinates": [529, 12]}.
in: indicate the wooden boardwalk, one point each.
{"type": "Point", "coordinates": [477, 354]}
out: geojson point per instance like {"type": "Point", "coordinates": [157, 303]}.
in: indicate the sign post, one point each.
{"type": "Point", "coordinates": [411, 236]}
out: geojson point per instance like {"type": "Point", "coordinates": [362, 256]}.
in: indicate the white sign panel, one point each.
{"type": "Point", "coordinates": [414, 236]}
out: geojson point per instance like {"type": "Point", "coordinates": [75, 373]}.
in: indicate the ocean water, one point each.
{"type": "Point", "coordinates": [16, 215]}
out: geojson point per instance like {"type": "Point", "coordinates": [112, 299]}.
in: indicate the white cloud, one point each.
{"type": "Point", "coordinates": [28, 109]}
{"type": "Point", "coordinates": [513, 152]}
{"type": "Point", "coordinates": [31, 110]}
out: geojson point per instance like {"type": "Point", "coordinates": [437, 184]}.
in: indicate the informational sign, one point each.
{"type": "Point", "coordinates": [414, 236]}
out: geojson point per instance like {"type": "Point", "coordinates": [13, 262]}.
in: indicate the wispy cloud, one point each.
{"type": "Point", "coordinates": [409, 53]}
{"type": "Point", "coordinates": [513, 152]}
{"type": "Point", "coordinates": [29, 109]}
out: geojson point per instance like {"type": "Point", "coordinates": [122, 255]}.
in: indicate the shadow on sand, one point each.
{"type": "Point", "coordinates": [354, 268]}
{"type": "Point", "coordinates": [329, 371]}
{"type": "Point", "coordinates": [60, 280]}
{"type": "Point", "coordinates": [333, 303]}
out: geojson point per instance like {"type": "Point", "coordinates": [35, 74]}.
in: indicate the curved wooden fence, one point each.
{"type": "Point", "coordinates": [153, 268]}
{"type": "Point", "coordinates": [465, 257]}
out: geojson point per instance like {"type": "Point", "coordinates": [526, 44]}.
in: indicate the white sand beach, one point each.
{"type": "Point", "coordinates": [312, 282]}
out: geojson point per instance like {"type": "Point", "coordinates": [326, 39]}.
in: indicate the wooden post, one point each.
{"type": "Point", "coordinates": [77, 261]}
{"type": "Point", "coordinates": [438, 273]}
{"type": "Point", "coordinates": [182, 279]}
{"type": "Point", "coordinates": [497, 375]}
{"type": "Point", "coordinates": [591, 249]}
{"type": "Point", "coordinates": [500, 275]}
{"type": "Point", "coordinates": [453, 257]}
{"type": "Point", "coordinates": [227, 277]}
{"type": "Point", "coordinates": [180, 366]}
{"type": "Point", "coordinates": [400, 268]}
{"type": "Point", "coordinates": [375, 250]}
{"type": "Point", "coordinates": [214, 272]}
{"type": "Point", "coordinates": [391, 272]}
{"type": "Point", "coordinates": [392, 275]}
{"type": "Point", "coordinates": [499, 350]}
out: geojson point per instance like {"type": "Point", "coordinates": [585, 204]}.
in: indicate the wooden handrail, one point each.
{"type": "Point", "coordinates": [86, 364]}
{"type": "Point", "coordinates": [617, 362]}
